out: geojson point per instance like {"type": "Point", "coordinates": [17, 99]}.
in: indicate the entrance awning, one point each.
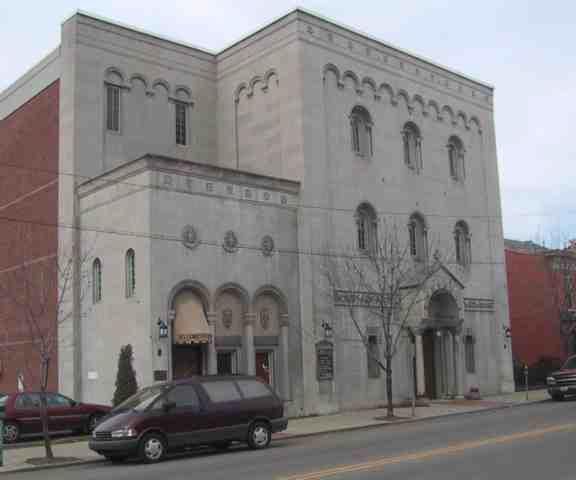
{"type": "Point", "coordinates": [190, 324]}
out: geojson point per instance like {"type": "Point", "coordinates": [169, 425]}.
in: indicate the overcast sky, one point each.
{"type": "Point", "coordinates": [525, 48]}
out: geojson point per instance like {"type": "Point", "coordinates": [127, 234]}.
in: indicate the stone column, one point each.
{"type": "Point", "coordinates": [212, 355]}
{"type": "Point", "coordinates": [248, 344]}
{"type": "Point", "coordinates": [420, 379]}
{"type": "Point", "coordinates": [458, 385]}
{"type": "Point", "coordinates": [448, 341]}
{"type": "Point", "coordinates": [438, 363]}
{"type": "Point", "coordinates": [284, 383]}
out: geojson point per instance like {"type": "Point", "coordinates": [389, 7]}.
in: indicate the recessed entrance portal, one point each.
{"type": "Point", "coordinates": [190, 335]}
{"type": "Point", "coordinates": [439, 346]}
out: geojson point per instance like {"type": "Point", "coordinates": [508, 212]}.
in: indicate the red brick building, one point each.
{"type": "Point", "coordinates": [541, 292]}
{"type": "Point", "coordinates": [29, 237]}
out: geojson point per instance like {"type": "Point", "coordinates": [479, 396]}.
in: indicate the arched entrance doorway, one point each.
{"type": "Point", "coordinates": [439, 349]}
{"type": "Point", "coordinates": [190, 334]}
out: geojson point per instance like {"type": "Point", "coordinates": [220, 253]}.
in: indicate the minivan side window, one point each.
{"type": "Point", "coordinates": [222, 391]}
{"type": "Point", "coordinates": [253, 389]}
{"type": "Point", "coordinates": [28, 400]}
{"type": "Point", "coordinates": [184, 396]}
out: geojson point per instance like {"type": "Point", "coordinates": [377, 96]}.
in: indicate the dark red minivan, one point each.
{"type": "Point", "coordinates": [21, 414]}
{"type": "Point", "coordinates": [213, 410]}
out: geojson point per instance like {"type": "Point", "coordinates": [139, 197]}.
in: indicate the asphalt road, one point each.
{"type": "Point", "coordinates": [529, 442]}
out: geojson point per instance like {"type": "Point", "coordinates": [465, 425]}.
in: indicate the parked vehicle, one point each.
{"type": "Point", "coordinates": [21, 414]}
{"type": "Point", "coordinates": [212, 410]}
{"type": "Point", "coordinates": [563, 381]}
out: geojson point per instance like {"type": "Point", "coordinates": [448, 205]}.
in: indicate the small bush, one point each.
{"type": "Point", "coordinates": [126, 384]}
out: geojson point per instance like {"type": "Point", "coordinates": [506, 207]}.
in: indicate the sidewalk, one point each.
{"type": "Point", "coordinates": [15, 458]}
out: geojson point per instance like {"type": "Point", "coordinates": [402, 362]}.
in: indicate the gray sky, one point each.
{"type": "Point", "coordinates": [525, 48]}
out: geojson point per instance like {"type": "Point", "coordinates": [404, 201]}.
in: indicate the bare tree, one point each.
{"type": "Point", "coordinates": [36, 300]}
{"type": "Point", "coordinates": [387, 281]}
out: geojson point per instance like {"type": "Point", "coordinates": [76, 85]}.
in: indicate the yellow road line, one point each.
{"type": "Point", "coordinates": [456, 448]}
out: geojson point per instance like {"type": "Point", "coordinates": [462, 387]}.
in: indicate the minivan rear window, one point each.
{"type": "Point", "coordinates": [221, 391]}
{"type": "Point", "coordinates": [253, 389]}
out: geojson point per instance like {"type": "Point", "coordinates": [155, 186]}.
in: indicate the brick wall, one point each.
{"type": "Point", "coordinates": [534, 314]}
{"type": "Point", "coordinates": [28, 237]}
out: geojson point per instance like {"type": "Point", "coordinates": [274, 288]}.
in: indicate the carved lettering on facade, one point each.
{"type": "Point", "coordinates": [478, 304]}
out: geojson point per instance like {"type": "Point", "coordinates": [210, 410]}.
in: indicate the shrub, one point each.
{"type": "Point", "coordinates": [126, 384]}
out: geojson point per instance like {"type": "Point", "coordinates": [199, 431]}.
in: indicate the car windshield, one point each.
{"type": "Point", "coordinates": [570, 364]}
{"type": "Point", "coordinates": [141, 400]}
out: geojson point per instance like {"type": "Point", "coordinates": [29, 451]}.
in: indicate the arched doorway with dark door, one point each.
{"type": "Point", "coordinates": [191, 333]}
{"type": "Point", "coordinates": [440, 351]}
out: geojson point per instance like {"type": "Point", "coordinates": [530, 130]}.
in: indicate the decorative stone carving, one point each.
{"type": "Point", "coordinates": [230, 242]}
{"type": "Point", "coordinates": [478, 304]}
{"type": "Point", "coordinates": [267, 245]}
{"type": "Point", "coordinates": [265, 319]}
{"type": "Point", "coordinates": [227, 318]}
{"type": "Point", "coordinates": [190, 238]}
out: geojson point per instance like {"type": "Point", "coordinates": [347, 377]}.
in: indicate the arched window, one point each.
{"type": "Point", "coordinates": [456, 158]}
{"type": "Point", "coordinates": [412, 146]}
{"type": "Point", "coordinates": [96, 281]}
{"type": "Point", "coordinates": [462, 244]}
{"type": "Point", "coordinates": [418, 238]}
{"type": "Point", "coordinates": [130, 273]}
{"type": "Point", "coordinates": [361, 132]}
{"type": "Point", "coordinates": [366, 227]}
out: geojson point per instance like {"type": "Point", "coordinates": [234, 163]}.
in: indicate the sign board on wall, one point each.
{"type": "Point", "coordinates": [325, 360]}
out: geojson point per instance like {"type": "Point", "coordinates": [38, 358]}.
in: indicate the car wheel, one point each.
{"type": "Point", "coordinates": [223, 445]}
{"type": "Point", "coordinates": [116, 458]}
{"type": "Point", "coordinates": [259, 435]}
{"type": "Point", "coordinates": [93, 421]}
{"type": "Point", "coordinates": [11, 432]}
{"type": "Point", "coordinates": [557, 397]}
{"type": "Point", "coordinates": [152, 448]}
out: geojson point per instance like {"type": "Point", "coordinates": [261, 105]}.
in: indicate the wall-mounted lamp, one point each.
{"type": "Point", "coordinates": [328, 330]}
{"type": "Point", "coordinates": [162, 329]}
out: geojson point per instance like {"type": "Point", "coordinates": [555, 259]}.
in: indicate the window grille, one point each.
{"type": "Point", "coordinates": [181, 123]}
{"type": "Point", "coordinates": [113, 108]}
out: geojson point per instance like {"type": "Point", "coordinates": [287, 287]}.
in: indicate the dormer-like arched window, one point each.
{"type": "Point", "coordinates": [412, 146]}
{"type": "Point", "coordinates": [418, 237]}
{"type": "Point", "coordinates": [366, 228]}
{"type": "Point", "coordinates": [361, 131]}
{"type": "Point", "coordinates": [456, 158]}
{"type": "Point", "coordinates": [462, 244]}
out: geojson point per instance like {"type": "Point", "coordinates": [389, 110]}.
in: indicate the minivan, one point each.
{"type": "Point", "coordinates": [210, 410]}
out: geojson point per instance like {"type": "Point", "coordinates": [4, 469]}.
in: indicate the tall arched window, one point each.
{"type": "Point", "coordinates": [361, 132]}
{"type": "Point", "coordinates": [462, 244]}
{"type": "Point", "coordinates": [418, 237]}
{"type": "Point", "coordinates": [456, 158]}
{"type": "Point", "coordinates": [412, 146]}
{"type": "Point", "coordinates": [366, 227]}
{"type": "Point", "coordinates": [96, 281]}
{"type": "Point", "coordinates": [130, 273]}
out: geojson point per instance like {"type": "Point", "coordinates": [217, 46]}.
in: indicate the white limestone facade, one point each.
{"type": "Point", "coordinates": [229, 228]}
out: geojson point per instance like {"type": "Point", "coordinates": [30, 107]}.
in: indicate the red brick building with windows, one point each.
{"type": "Point", "coordinates": [541, 292]}
{"type": "Point", "coordinates": [28, 237]}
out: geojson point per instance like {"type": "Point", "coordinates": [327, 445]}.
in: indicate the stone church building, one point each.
{"type": "Point", "coordinates": [204, 188]}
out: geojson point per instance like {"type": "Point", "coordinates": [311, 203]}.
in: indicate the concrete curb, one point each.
{"type": "Point", "coordinates": [306, 435]}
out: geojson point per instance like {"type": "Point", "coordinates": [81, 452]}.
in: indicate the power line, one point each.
{"type": "Point", "coordinates": [396, 186]}
{"type": "Point", "coordinates": [178, 239]}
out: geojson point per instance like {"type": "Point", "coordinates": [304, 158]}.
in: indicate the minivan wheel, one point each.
{"type": "Point", "coordinates": [152, 448]}
{"type": "Point", "coordinates": [259, 435]}
{"type": "Point", "coordinates": [11, 432]}
{"type": "Point", "coordinates": [557, 397]}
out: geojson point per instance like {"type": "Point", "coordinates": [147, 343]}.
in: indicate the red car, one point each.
{"type": "Point", "coordinates": [21, 414]}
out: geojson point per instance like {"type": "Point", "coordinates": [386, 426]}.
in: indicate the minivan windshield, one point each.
{"type": "Point", "coordinates": [570, 364]}
{"type": "Point", "coordinates": [141, 400]}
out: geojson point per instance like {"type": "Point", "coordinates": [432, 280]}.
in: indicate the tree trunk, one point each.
{"type": "Point", "coordinates": [44, 409]}
{"type": "Point", "coordinates": [389, 403]}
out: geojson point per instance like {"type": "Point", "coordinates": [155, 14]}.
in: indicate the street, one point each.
{"type": "Point", "coordinates": [528, 442]}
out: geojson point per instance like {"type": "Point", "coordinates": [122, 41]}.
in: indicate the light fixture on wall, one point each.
{"type": "Point", "coordinates": [162, 329]}
{"type": "Point", "coordinates": [328, 330]}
